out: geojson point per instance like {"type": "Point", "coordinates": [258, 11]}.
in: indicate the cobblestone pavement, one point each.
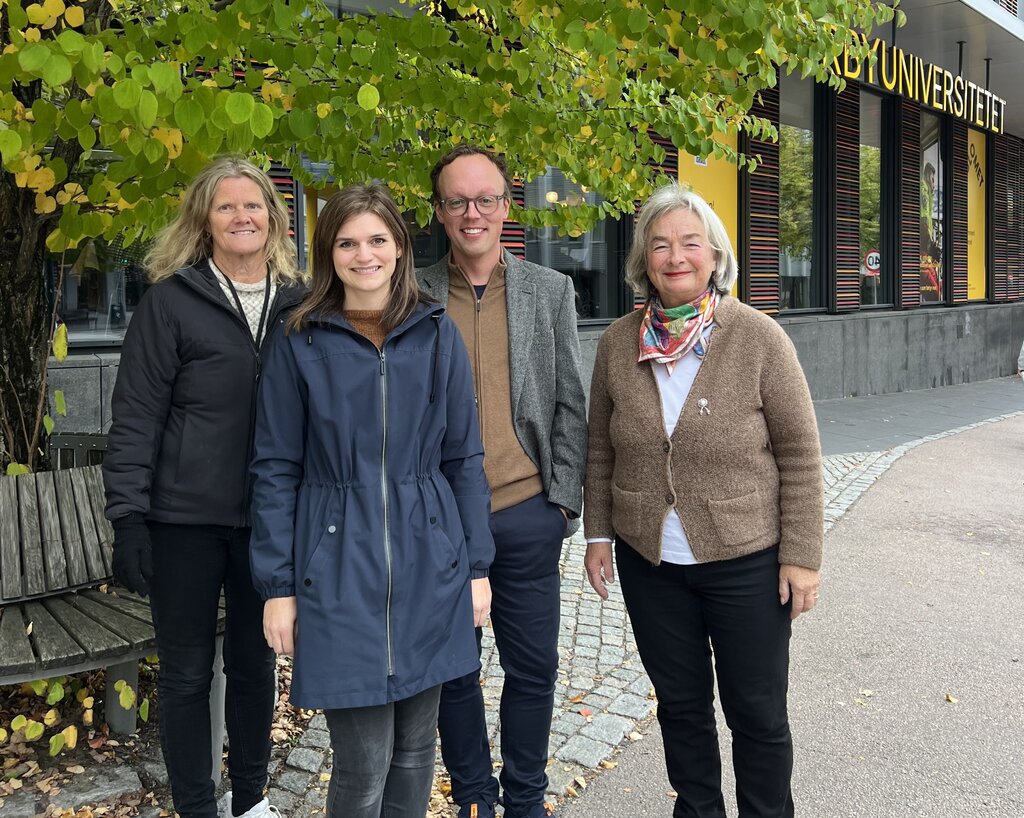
{"type": "Point", "coordinates": [602, 691]}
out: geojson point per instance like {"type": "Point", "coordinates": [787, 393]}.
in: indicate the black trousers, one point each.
{"type": "Point", "coordinates": [682, 616]}
{"type": "Point", "coordinates": [191, 564]}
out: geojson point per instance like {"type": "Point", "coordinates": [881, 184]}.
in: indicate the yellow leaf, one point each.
{"type": "Point", "coordinates": [126, 697]}
{"type": "Point", "coordinates": [70, 734]}
{"type": "Point", "coordinates": [45, 204]}
{"type": "Point", "coordinates": [51, 717]}
{"type": "Point", "coordinates": [323, 110]}
{"type": "Point", "coordinates": [74, 16]}
{"type": "Point", "coordinates": [60, 342]}
{"type": "Point", "coordinates": [586, 130]}
{"type": "Point", "coordinates": [87, 718]}
{"type": "Point", "coordinates": [3, 735]}
{"type": "Point", "coordinates": [243, 23]}
{"type": "Point", "coordinates": [87, 701]}
{"type": "Point", "coordinates": [36, 14]}
{"type": "Point", "coordinates": [951, 698]}
{"type": "Point", "coordinates": [617, 164]}
{"type": "Point", "coordinates": [32, 35]}
{"type": "Point", "coordinates": [170, 138]}
{"type": "Point", "coordinates": [55, 8]}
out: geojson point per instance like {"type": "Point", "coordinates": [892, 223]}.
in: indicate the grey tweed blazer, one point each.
{"type": "Point", "coordinates": [548, 405]}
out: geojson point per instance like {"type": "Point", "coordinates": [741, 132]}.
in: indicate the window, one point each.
{"type": "Point", "coordinates": [800, 287]}
{"type": "Point", "coordinates": [932, 216]}
{"type": "Point", "coordinates": [874, 284]}
{"type": "Point", "coordinates": [101, 287]}
{"type": "Point", "coordinates": [593, 260]}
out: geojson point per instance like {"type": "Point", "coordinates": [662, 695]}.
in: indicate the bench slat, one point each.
{"type": "Point", "coordinates": [78, 572]}
{"type": "Point", "coordinates": [49, 525]}
{"type": "Point", "coordinates": [136, 633]}
{"type": "Point", "coordinates": [125, 602]}
{"type": "Point", "coordinates": [31, 545]}
{"type": "Point", "coordinates": [15, 646]}
{"type": "Point", "coordinates": [52, 643]}
{"type": "Point", "coordinates": [97, 641]}
{"type": "Point", "coordinates": [10, 542]}
{"type": "Point", "coordinates": [98, 502]}
{"type": "Point", "coordinates": [90, 539]}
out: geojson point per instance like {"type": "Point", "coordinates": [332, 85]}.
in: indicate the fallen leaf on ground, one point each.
{"type": "Point", "coordinates": [951, 698]}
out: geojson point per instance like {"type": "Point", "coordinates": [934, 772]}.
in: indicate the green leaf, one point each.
{"type": "Point", "coordinates": [60, 405]}
{"type": "Point", "coordinates": [14, 469]}
{"type": "Point", "coordinates": [56, 692]}
{"type": "Point", "coordinates": [126, 698]}
{"type": "Point", "coordinates": [147, 109]}
{"type": "Point", "coordinates": [262, 120]}
{"type": "Point", "coordinates": [303, 123]}
{"type": "Point", "coordinates": [239, 107]}
{"type": "Point", "coordinates": [368, 97]}
{"type": "Point", "coordinates": [127, 93]}
{"type": "Point", "coordinates": [33, 730]}
{"type": "Point", "coordinates": [39, 686]}
{"type": "Point", "coordinates": [144, 710]}
{"type": "Point", "coordinates": [10, 144]}
{"type": "Point", "coordinates": [18, 723]}
{"type": "Point", "coordinates": [189, 115]}
{"type": "Point", "coordinates": [56, 743]}
{"type": "Point", "coordinates": [60, 342]}
{"type": "Point", "coordinates": [33, 57]}
{"type": "Point", "coordinates": [57, 70]}
{"type": "Point", "coordinates": [48, 424]}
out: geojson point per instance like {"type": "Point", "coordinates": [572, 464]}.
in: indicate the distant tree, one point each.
{"type": "Point", "coordinates": [108, 107]}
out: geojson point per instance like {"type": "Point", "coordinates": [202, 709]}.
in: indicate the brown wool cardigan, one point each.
{"type": "Point", "coordinates": [743, 474]}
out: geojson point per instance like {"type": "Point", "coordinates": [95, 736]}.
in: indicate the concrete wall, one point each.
{"type": "Point", "coordinates": [865, 353]}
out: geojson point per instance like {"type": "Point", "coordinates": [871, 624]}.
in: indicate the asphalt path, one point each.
{"type": "Point", "coordinates": [907, 682]}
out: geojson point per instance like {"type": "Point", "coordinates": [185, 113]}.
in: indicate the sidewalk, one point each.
{"type": "Point", "coordinates": [603, 693]}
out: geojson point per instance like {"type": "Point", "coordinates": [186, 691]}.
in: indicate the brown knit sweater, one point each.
{"type": "Point", "coordinates": [743, 475]}
{"type": "Point", "coordinates": [367, 323]}
{"type": "Point", "coordinates": [512, 475]}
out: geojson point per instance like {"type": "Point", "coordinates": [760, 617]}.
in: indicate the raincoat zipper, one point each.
{"type": "Point", "coordinates": [384, 494]}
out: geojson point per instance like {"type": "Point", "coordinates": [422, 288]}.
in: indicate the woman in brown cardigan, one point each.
{"type": "Point", "coordinates": [704, 468]}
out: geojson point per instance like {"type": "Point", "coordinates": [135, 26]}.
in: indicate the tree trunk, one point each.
{"type": "Point", "coordinates": [24, 324]}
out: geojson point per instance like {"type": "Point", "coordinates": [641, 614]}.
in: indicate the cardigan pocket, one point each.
{"type": "Point", "coordinates": [627, 514]}
{"type": "Point", "coordinates": [738, 520]}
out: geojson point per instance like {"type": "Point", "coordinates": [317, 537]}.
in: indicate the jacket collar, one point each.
{"type": "Point", "coordinates": [435, 279]}
{"type": "Point", "coordinates": [201, 279]}
{"type": "Point", "coordinates": [422, 311]}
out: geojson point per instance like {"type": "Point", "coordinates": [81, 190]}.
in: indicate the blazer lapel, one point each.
{"type": "Point", "coordinates": [434, 281]}
{"type": "Point", "coordinates": [521, 299]}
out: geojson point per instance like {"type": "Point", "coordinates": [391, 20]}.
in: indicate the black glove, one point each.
{"type": "Point", "coordinates": [133, 553]}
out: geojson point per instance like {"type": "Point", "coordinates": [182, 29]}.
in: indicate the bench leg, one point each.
{"type": "Point", "coordinates": [120, 720]}
{"type": "Point", "coordinates": [217, 711]}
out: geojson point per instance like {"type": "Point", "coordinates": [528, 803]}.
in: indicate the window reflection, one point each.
{"type": "Point", "coordinates": [931, 209]}
{"type": "Point", "coordinates": [101, 287]}
{"type": "Point", "coordinates": [872, 287]}
{"type": "Point", "coordinates": [591, 260]}
{"type": "Point", "coordinates": [798, 288]}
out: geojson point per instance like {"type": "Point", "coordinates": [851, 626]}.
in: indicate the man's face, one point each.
{"type": "Point", "coordinates": [473, 235]}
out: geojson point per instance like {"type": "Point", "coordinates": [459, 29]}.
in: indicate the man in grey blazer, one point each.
{"type": "Point", "coordinates": [519, 324]}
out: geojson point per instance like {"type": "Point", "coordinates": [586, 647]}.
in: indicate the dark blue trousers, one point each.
{"type": "Point", "coordinates": [524, 614]}
{"type": "Point", "coordinates": [191, 564]}
{"type": "Point", "coordinates": [682, 616]}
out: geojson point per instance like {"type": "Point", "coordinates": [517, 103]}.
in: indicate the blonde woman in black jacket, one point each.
{"type": "Point", "coordinates": [176, 472]}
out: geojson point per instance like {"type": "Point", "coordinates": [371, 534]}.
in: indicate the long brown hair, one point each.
{"type": "Point", "coordinates": [327, 293]}
{"type": "Point", "coordinates": [186, 240]}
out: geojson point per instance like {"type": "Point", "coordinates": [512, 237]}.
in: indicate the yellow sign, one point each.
{"type": "Point", "coordinates": [892, 69]}
{"type": "Point", "coordinates": [976, 216]}
{"type": "Point", "coordinates": [716, 180]}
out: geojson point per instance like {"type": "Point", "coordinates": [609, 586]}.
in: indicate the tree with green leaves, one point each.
{"type": "Point", "coordinates": [108, 107]}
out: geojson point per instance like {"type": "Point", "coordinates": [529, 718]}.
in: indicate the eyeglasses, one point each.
{"type": "Point", "coordinates": [485, 205]}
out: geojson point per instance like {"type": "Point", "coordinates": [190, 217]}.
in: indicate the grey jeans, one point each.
{"type": "Point", "coordinates": [383, 758]}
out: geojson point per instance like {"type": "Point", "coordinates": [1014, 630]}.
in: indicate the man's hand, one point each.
{"type": "Point", "coordinates": [481, 601]}
{"type": "Point", "coordinates": [800, 584]}
{"type": "Point", "coordinates": [132, 563]}
{"type": "Point", "coordinates": [280, 617]}
{"type": "Point", "coordinates": [600, 567]}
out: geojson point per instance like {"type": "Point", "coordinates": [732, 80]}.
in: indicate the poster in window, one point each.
{"type": "Point", "coordinates": [931, 197]}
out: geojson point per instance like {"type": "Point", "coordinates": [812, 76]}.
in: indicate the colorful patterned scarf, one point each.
{"type": "Point", "coordinates": [666, 335]}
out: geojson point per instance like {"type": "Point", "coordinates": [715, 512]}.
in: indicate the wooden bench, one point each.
{"type": "Point", "coordinates": [57, 617]}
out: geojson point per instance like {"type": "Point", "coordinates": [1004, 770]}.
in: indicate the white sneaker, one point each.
{"type": "Point", "coordinates": [264, 809]}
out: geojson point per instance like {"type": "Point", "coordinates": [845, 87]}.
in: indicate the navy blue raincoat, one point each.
{"type": "Point", "coordinates": [370, 506]}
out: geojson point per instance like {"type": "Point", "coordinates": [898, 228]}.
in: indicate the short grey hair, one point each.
{"type": "Point", "coordinates": [663, 201]}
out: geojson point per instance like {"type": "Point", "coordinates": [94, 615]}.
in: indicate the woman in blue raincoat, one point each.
{"type": "Point", "coordinates": [370, 538]}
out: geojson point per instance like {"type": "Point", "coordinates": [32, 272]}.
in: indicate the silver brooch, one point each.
{"type": "Point", "coordinates": [702, 406]}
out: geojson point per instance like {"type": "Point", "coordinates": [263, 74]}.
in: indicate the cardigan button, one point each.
{"type": "Point", "coordinates": [669, 499]}
{"type": "Point", "coordinates": [666, 446]}
{"type": "Point", "coordinates": [331, 529]}
{"type": "Point", "coordinates": [307, 582]}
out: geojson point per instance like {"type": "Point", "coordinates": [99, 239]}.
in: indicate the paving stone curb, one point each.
{"type": "Point", "coordinates": [602, 691]}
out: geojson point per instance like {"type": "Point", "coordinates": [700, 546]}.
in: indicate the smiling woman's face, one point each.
{"type": "Point", "coordinates": [680, 259]}
{"type": "Point", "coordinates": [238, 220]}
